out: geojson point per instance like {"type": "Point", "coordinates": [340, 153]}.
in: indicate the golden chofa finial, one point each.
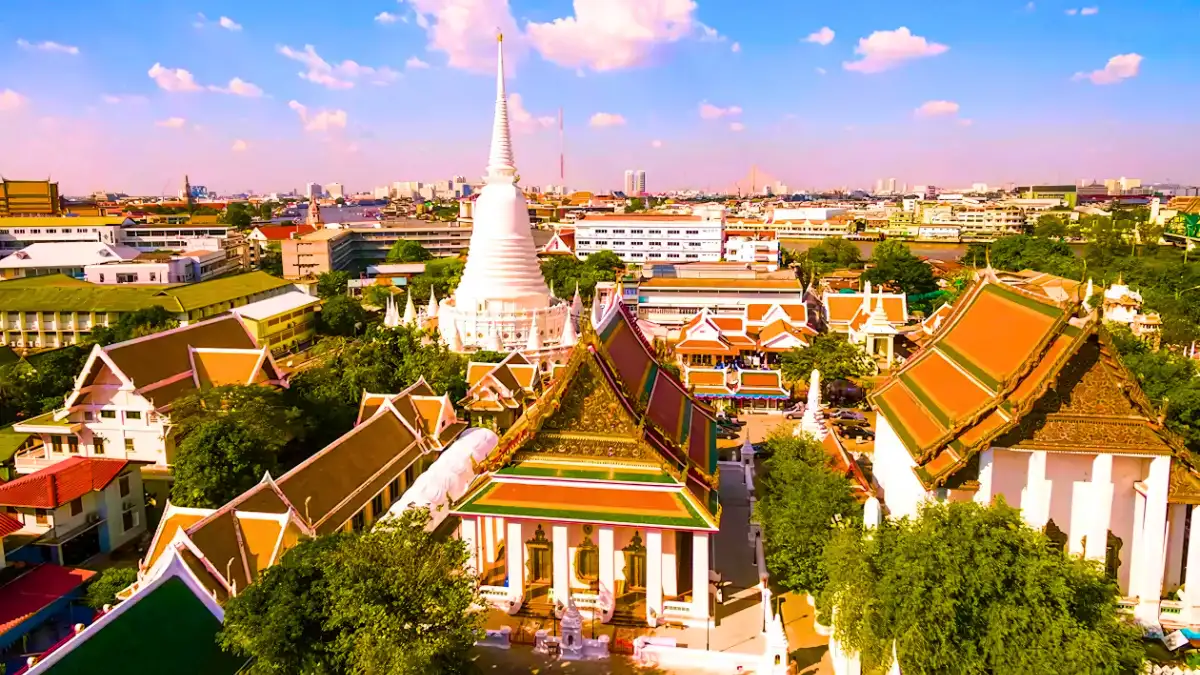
{"type": "Point", "coordinates": [499, 37]}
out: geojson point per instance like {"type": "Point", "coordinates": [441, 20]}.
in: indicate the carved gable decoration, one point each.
{"type": "Point", "coordinates": [1088, 409]}
{"type": "Point", "coordinates": [590, 406]}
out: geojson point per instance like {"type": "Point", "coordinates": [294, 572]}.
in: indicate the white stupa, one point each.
{"type": "Point", "coordinates": [502, 287]}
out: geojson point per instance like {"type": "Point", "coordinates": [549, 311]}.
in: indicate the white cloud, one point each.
{"type": "Point", "coordinates": [522, 120]}
{"type": "Point", "coordinates": [323, 120]}
{"type": "Point", "coordinates": [1030, 7]}
{"type": "Point", "coordinates": [229, 24]}
{"type": "Point", "coordinates": [603, 119]}
{"type": "Point", "coordinates": [735, 47]}
{"type": "Point", "coordinates": [171, 123]}
{"type": "Point", "coordinates": [465, 30]}
{"type": "Point", "coordinates": [339, 76]}
{"type": "Point", "coordinates": [656, 143]}
{"type": "Point", "coordinates": [1072, 12]}
{"type": "Point", "coordinates": [414, 63]}
{"type": "Point", "coordinates": [737, 126]}
{"type": "Point", "coordinates": [614, 34]}
{"type": "Point", "coordinates": [937, 109]}
{"type": "Point", "coordinates": [821, 37]}
{"type": "Point", "coordinates": [965, 122]}
{"type": "Point", "coordinates": [1089, 11]}
{"type": "Point", "coordinates": [386, 17]}
{"type": "Point", "coordinates": [116, 99]}
{"type": "Point", "coordinates": [1119, 67]}
{"type": "Point", "coordinates": [11, 100]}
{"type": "Point", "coordinates": [239, 87]}
{"type": "Point", "coordinates": [173, 79]}
{"type": "Point", "coordinates": [48, 46]}
{"type": "Point", "coordinates": [239, 145]}
{"type": "Point", "coordinates": [201, 20]}
{"type": "Point", "coordinates": [709, 111]}
{"type": "Point", "coordinates": [886, 49]}
{"type": "Point", "coordinates": [821, 71]}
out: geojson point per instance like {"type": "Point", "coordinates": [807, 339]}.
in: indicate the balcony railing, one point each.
{"type": "Point", "coordinates": [34, 458]}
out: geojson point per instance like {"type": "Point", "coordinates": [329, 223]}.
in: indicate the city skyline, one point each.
{"type": "Point", "coordinates": [245, 96]}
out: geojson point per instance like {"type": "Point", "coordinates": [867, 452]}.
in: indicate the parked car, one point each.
{"type": "Point", "coordinates": [861, 433]}
{"type": "Point", "coordinates": [726, 421]}
{"type": "Point", "coordinates": [727, 434]}
{"type": "Point", "coordinates": [795, 412]}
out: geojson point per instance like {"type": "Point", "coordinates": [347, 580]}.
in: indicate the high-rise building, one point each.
{"type": "Point", "coordinates": [639, 182]}
{"type": "Point", "coordinates": [313, 191]}
{"type": "Point", "coordinates": [879, 186]}
{"type": "Point", "coordinates": [335, 190]}
{"type": "Point", "coordinates": [891, 186]}
{"type": "Point", "coordinates": [629, 184]}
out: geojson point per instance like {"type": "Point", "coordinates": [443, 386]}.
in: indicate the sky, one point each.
{"type": "Point", "coordinates": [130, 95]}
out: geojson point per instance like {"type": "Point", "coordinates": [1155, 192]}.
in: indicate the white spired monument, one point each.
{"type": "Point", "coordinates": [502, 297]}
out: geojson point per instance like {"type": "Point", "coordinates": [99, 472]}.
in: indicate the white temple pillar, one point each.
{"type": "Point", "coordinates": [987, 459]}
{"type": "Point", "coordinates": [1154, 540]}
{"type": "Point", "coordinates": [1176, 529]}
{"type": "Point", "coordinates": [514, 547]}
{"type": "Point", "coordinates": [1191, 582]}
{"type": "Point", "coordinates": [700, 567]}
{"type": "Point", "coordinates": [488, 557]}
{"type": "Point", "coordinates": [654, 590]}
{"type": "Point", "coordinates": [608, 570]}
{"type": "Point", "coordinates": [1100, 511]}
{"type": "Point", "coordinates": [1137, 546]}
{"type": "Point", "coordinates": [1035, 497]}
{"type": "Point", "coordinates": [562, 560]}
{"type": "Point", "coordinates": [467, 529]}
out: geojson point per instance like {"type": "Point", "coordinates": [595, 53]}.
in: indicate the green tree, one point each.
{"type": "Point", "coordinates": [1024, 252]}
{"type": "Point", "coordinates": [103, 588]}
{"type": "Point", "coordinates": [340, 201]}
{"type": "Point", "coordinates": [342, 315]}
{"type": "Point", "coordinates": [832, 354]}
{"type": "Point", "coordinates": [393, 600]}
{"type": "Point", "coordinates": [799, 499]}
{"type": "Point", "coordinates": [488, 356]}
{"type": "Point", "coordinates": [228, 438]}
{"type": "Point", "coordinates": [564, 272]}
{"type": "Point", "coordinates": [130, 325]}
{"type": "Point", "coordinates": [406, 251]}
{"type": "Point", "coordinates": [271, 261]}
{"type": "Point", "coordinates": [382, 360]}
{"type": "Point", "coordinates": [239, 215]}
{"type": "Point", "coordinates": [964, 588]}
{"type": "Point", "coordinates": [894, 264]}
{"type": "Point", "coordinates": [376, 296]}
{"type": "Point", "coordinates": [441, 276]}
{"type": "Point", "coordinates": [266, 210]}
{"type": "Point", "coordinates": [219, 460]}
{"type": "Point", "coordinates": [332, 283]}
{"type": "Point", "coordinates": [1050, 226]}
{"type": "Point", "coordinates": [39, 383]}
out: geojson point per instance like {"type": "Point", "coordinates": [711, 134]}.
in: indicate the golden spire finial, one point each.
{"type": "Point", "coordinates": [499, 35]}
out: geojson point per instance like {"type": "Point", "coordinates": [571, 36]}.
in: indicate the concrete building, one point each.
{"type": "Point", "coordinates": [55, 311]}
{"type": "Point", "coordinates": [639, 182]}
{"type": "Point", "coordinates": [630, 183]}
{"type": "Point", "coordinates": [337, 249]}
{"type": "Point", "coordinates": [74, 509]}
{"type": "Point", "coordinates": [334, 191]}
{"type": "Point", "coordinates": [69, 258]}
{"type": "Point", "coordinates": [29, 198]}
{"type": "Point", "coordinates": [641, 237]}
{"type": "Point", "coordinates": [283, 323]}
{"type": "Point", "coordinates": [759, 250]}
{"type": "Point", "coordinates": [674, 301]}
{"type": "Point", "coordinates": [18, 232]}
{"type": "Point", "coordinates": [313, 191]}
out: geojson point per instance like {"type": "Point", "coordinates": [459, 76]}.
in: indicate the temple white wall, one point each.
{"type": "Point", "coordinates": [893, 469]}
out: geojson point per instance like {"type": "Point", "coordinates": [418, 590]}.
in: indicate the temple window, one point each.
{"type": "Point", "coordinates": [587, 559]}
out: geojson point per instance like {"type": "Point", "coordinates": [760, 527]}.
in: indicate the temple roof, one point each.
{"type": "Point", "coordinates": [1016, 369]}
{"type": "Point", "coordinates": [612, 414]}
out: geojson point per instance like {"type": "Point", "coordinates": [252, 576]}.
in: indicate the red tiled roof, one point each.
{"type": "Point", "coordinates": [61, 483]}
{"type": "Point", "coordinates": [35, 590]}
{"type": "Point", "coordinates": [281, 232]}
{"type": "Point", "coordinates": [8, 524]}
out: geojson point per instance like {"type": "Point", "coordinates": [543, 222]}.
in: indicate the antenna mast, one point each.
{"type": "Point", "coordinates": [562, 152]}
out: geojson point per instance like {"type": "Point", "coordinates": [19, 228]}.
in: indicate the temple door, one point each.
{"type": "Point", "coordinates": [541, 566]}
